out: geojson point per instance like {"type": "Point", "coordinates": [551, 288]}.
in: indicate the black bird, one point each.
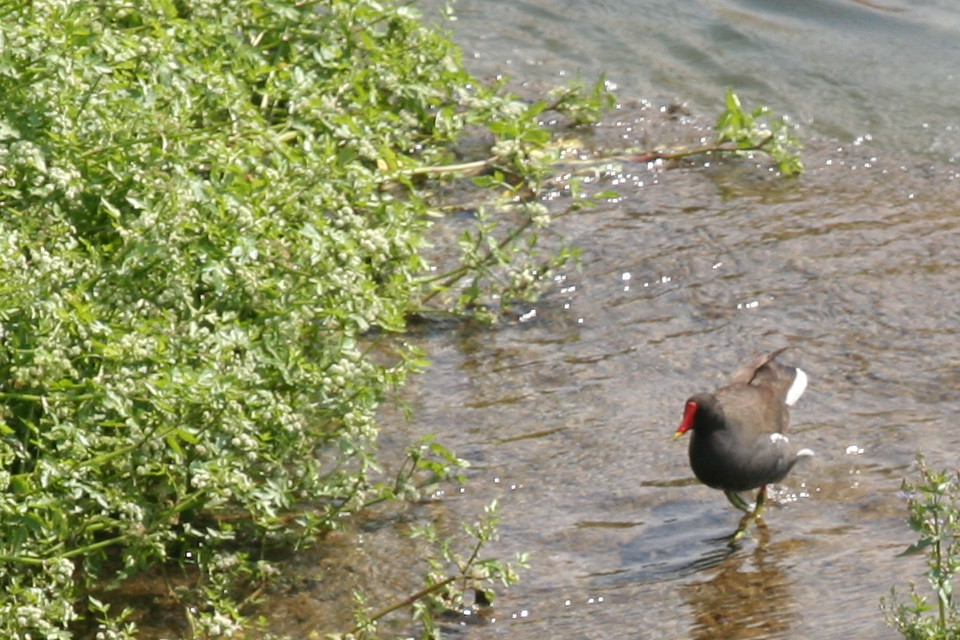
{"type": "Point", "coordinates": [738, 442]}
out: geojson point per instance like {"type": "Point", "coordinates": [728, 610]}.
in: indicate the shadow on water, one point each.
{"type": "Point", "coordinates": [684, 537]}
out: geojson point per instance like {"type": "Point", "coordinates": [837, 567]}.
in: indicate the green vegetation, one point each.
{"type": "Point", "coordinates": [452, 575]}
{"type": "Point", "coordinates": [740, 132]}
{"type": "Point", "coordinates": [212, 214]}
{"type": "Point", "coordinates": [934, 505]}
{"type": "Point", "coordinates": [747, 132]}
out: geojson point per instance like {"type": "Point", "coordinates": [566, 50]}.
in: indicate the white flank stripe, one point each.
{"type": "Point", "coordinates": [804, 452]}
{"type": "Point", "coordinates": [797, 388]}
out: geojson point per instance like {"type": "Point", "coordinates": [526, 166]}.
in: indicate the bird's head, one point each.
{"type": "Point", "coordinates": [701, 409]}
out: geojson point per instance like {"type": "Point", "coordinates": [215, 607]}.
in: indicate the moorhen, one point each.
{"type": "Point", "coordinates": [737, 442]}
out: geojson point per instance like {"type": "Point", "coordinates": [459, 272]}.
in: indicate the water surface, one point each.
{"type": "Point", "coordinates": [887, 69]}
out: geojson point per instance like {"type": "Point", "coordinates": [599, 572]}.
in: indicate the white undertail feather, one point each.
{"type": "Point", "coordinates": [793, 394]}
{"type": "Point", "coordinates": [797, 388]}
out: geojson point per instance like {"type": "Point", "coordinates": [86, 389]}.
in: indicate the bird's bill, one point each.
{"type": "Point", "coordinates": [689, 412]}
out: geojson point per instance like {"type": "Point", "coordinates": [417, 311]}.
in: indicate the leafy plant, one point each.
{"type": "Point", "coordinates": [747, 132]}
{"type": "Point", "coordinates": [740, 131]}
{"type": "Point", "coordinates": [933, 503]}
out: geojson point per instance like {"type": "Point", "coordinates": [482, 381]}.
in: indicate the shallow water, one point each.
{"type": "Point", "coordinates": [567, 417]}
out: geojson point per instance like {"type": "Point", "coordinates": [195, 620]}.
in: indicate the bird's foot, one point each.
{"type": "Point", "coordinates": [741, 531]}
{"type": "Point", "coordinates": [743, 528]}
{"type": "Point", "coordinates": [762, 536]}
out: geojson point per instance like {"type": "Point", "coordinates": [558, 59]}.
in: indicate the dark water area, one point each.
{"type": "Point", "coordinates": [566, 413]}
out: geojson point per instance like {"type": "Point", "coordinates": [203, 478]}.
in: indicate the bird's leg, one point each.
{"type": "Point", "coordinates": [750, 513]}
{"type": "Point", "coordinates": [737, 500]}
{"type": "Point", "coordinates": [761, 499]}
{"type": "Point", "coordinates": [741, 529]}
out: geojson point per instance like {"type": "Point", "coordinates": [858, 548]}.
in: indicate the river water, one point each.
{"type": "Point", "coordinates": [845, 69]}
{"type": "Point", "coordinates": [567, 416]}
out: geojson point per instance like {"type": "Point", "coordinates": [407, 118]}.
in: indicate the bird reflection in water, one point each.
{"type": "Point", "coordinates": [748, 596]}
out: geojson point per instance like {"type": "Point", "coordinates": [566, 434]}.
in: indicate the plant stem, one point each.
{"type": "Point", "coordinates": [463, 167]}
{"type": "Point", "coordinates": [403, 603]}
{"type": "Point", "coordinates": [941, 574]}
{"type": "Point", "coordinates": [650, 156]}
